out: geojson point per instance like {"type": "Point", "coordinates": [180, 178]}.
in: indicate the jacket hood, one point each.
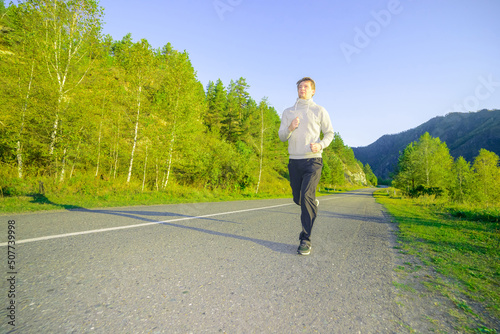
{"type": "Point", "coordinates": [303, 102]}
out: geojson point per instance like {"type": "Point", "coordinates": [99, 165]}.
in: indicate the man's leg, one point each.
{"type": "Point", "coordinates": [295, 179]}
{"type": "Point", "coordinates": [310, 179]}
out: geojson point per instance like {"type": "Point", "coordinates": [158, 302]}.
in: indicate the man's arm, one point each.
{"type": "Point", "coordinates": [327, 129]}
{"type": "Point", "coordinates": [286, 128]}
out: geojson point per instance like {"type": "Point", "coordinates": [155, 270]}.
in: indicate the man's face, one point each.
{"type": "Point", "coordinates": [305, 90]}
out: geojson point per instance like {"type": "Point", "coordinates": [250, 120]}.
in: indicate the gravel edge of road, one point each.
{"type": "Point", "coordinates": [419, 309]}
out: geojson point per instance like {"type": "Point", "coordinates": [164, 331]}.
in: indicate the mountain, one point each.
{"type": "Point", "coordinates": [464, 133]}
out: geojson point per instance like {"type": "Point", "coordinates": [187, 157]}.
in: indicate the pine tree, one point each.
{"type": "Point", "coordinates": [370, 176]}
{"type": "Point", "coordinates": [217, 104]}
{"type": "Point", "coordinates": [235, 117]}
{"type": "Point", "coordinates": [337, 144]}
{"type": "Point", "coordinates": [407, 174]}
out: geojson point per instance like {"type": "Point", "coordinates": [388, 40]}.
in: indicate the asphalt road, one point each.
{"type": "Point", "coordinates": [227, 267]}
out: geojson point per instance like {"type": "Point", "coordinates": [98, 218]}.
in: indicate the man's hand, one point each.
{"type": "Point", "coordinates": [294, 124]}
{"type": "Point", "coordinates": [315, 147]}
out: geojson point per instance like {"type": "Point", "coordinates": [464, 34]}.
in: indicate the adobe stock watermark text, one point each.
{"type": "Point", "coordinates": [373, 28]}
{"type": "Point", "coordinates": [11, 273]}
{"type": "Point", "coordinates": [224, 6]}
{"type": "Point", "coordinates": [483, 91]}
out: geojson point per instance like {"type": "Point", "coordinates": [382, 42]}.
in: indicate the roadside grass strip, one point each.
{"type": "Point", "coordinates": [463, 250]}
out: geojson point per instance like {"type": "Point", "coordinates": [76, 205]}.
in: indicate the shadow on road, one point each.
{"type": "Point", "coordinates": [363, 218]}
{"type": "Point", "coordinates": [274, 246]}
{"type": "Point", "coordinates": [146, 216]}
{"type": "Point", "coordinates": [142, 215]}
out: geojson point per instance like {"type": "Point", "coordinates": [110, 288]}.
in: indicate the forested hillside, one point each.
{"type": "Point", "coordinates": [425, 167]}
{"type": "Point", "coordinates": [464, 134]}
{"type": "Point", "coordinates": [82, 110]}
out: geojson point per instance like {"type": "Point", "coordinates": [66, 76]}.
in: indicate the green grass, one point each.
{"type": "Point", "coordinates": [89, 192]}
{"type": "Point", "coordinates": [57, 200]}
{"type": "Point", "coordinates": [462, 245]}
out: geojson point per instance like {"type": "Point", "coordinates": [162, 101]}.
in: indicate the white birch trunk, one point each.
{"type": "Point", "coordinates": [261, 149]}
{"type": "Point", "coordinates": [427, 167]}
{"type": "Point", "coordinates": [157, 172]}
{"type": "Point", "coordinates": [145, 166]}
{"type": "Point", "coordinates": [170, 154]}
{"type": "Point", "coordinates": [172, 141]}
{"type": "Point", "coordinates": [99, 148]}
{"type": "Point", "coordinates": [116, 150]}
{"type": "Point", "coordinates": [19, 160]}
{"type": "Point", "coordinates": [135, 135]}
{"type": "Point", "coordinates": [55, 62]}
{"type": "Point", "coordinates": [116, 162]}
{"type": "Point", "coordinates": [63, 167]}
{"type": "Point", "coordinates": [54, 128]}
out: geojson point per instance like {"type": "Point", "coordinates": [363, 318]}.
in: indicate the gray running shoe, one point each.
{"type": "Point", "coordinates": [304, 248]}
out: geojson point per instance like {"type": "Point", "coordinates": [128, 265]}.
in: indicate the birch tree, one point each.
{"type": "Point", "coordinates": [435, 161]}
{"type": "Point", "coordinates": [461, 184]}
{"type": "Point", "coordinates": [137, 60]}
{"type": "Point", "coordinates": [424, 164]}
{"type": "Point", "coordinates": [181, 107]}
{"type": "Point", "coordinates": [66, 36]}
{"type": "Point", "coordinates": [487, 177]}
{"type": "Point", "coordinates": [54, 43]}
{"type": "Point", "coordinates": [19, 61]}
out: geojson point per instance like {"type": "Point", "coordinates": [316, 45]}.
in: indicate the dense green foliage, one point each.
{"type": "Point", "coordinates": [426, 167]}
{"type": "Point", "coordinates": [464, 134]}
{"type": "Point", "coordinates": [76, 106]}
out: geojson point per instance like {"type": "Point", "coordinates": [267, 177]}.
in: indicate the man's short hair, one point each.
{"type": "Point", "coordinates": [313, 84]}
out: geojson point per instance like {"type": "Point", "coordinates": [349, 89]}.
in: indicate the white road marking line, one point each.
{"type": "Point", "coordinates": [49, 237]}
{"type": "Point", "coordinates": [138, 225]}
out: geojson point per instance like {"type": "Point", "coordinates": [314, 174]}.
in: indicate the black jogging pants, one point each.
{"type": "Point", "coordinates": [304, 179]}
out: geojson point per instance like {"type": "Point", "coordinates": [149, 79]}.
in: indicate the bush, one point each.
{"type": "Point", "coordinates": [14, 187]}
{"type": "Point", "coordinates": [476, 214]}
{"type": "Point", "coordinates": [423, 190]}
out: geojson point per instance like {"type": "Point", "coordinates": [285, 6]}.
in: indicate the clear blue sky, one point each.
{"type": "Point", "coordinates": [380, 66]}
